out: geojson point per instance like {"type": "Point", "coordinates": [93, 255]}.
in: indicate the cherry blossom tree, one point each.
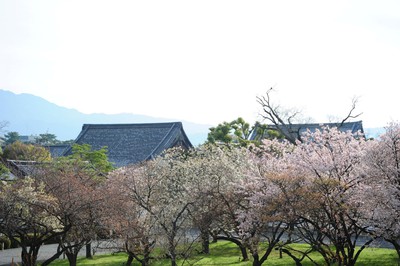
{"type": "Point", "coordinates": [311, 191]}
{"type": "Point", "coordinates": [174, 193]}
{"type": "Point", "coordinates": [223, 168]}
{"type": "Point", "coordinates": [29, 216]}
{"type": "Point", "coordinates": [58, 201]}
{"type": "Point", "coordinates": [215, 171]}
{"type": "Point", "coordinates": [204, 164]}
{"type": "Point", "coordinates": [383, 198]}
{"type": "Point", "coordinates": [173, 209]}
{"type": "Point", "coordinates": [75, 187]}
{"type": "Point", "coordinates": [160, 190]}
{"type": "Point", "coordinates": [332, 163]}
{"type": "Point", "coordinates": [131, 191]}
{"type": "Point", "coordinates": [272, 190]}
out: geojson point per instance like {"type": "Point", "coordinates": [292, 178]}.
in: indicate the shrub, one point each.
{"type": "Point", "coordinates": [4, 242]}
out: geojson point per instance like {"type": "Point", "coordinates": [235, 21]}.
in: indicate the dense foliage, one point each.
{"type": "Point", "coordinates": [26, 152]}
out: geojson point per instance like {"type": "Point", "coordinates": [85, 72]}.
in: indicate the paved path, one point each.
{"type": "Point", "coordinates": [45, 252]}
{"type": "Point", "coordinates": [14, 254]}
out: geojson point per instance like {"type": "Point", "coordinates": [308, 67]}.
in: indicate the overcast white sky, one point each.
{"type": "Point", "coordinates": [205, 61]}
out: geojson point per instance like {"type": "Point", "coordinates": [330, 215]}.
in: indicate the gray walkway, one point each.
{"type": "Point", "coordinates": [46, 251]}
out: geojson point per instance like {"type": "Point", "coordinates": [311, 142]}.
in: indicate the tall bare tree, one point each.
{"type": "Point", "coordinates": [284, 120]}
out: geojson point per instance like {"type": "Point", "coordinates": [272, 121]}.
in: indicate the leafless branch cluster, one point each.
{"type": "Point", "coordinates": [350, 115]}
{"type": "Point", "coordinates": [283, 120]}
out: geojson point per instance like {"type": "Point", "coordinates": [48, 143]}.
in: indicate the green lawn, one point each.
{"type": "Point", "coordinates": [225, 253]}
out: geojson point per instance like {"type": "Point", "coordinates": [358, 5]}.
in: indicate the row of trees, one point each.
{"type": "Point", "coordinates": [328, 190]}
{"type": "Point", "coordinates": [41, 139]}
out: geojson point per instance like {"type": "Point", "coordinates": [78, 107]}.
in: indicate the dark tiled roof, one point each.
{"type": "Point", "coordinates": [57, 150]}
{"type": "Point", "coordinates": [297, 130]}
{"type": "Point", "coordinates": [132, 143]}
{"type": "Point", "coordinates": [21, 169]}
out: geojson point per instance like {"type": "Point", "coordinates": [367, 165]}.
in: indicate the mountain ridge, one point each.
{"type": "Point", "coordinates": [28, 114]}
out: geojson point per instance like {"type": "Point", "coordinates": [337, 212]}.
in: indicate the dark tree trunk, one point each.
{"type": "Point", "coordinates": [172, 253]}
{"type": "Point", "coordinates": [130, 260]}
{"type": "Point", "coordinates": [296, 260]}
{"type": "Point", "coordinates": [244, 252]}
{"type": "Point", "coordinates": [205, 242]}
{"type": "Point", "coordinates": [173, 262]}
{"type": "Point", "coordinates": [72, 251]}
{"type": "Point", "coordinates": [60, 250]}
{"type": "Point", "coordinates": [29, 257]}
{"type": "Point", "coordinates": [89, 250]}
{"type": "Point", "coordinates": [214, 236]}
{"type": "Point", "coordinates": [256, 260]}
{"type": "Point", "coordinates": [72, 258]}
{"type": "Point", "coordinates": [242, 248]}
{"type": "Point", "coordinates": [146, 260]}
{"type": "Point", "coordinates": [146, 254]}
{"type": "Point", "coordinates": [396, 246]}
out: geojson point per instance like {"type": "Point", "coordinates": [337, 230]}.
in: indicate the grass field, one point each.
{"type": "Point", "coordinates": [225, 253]}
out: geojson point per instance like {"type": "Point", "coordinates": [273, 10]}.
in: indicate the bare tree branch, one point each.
{"type": "Point", "coordinates": [281, 121]}
{"type": "Point", "coordinates": [350, 114]}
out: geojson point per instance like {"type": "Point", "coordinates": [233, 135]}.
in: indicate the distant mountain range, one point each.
{"type": "Point", "coordinates": [31, 115]}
